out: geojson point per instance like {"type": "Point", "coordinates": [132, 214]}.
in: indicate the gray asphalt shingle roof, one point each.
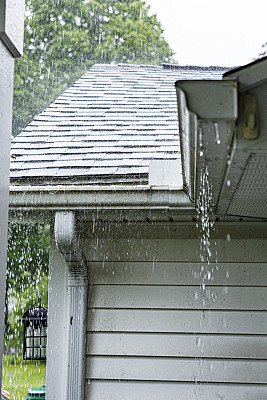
{"type": "Point", "coordinates": [105, 128]}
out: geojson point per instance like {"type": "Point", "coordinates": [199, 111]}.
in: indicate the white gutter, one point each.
{"type": "Point", "coordinates": [223, 128]}
{"type": "Point", "coordinates": [53, 198]}
{"type": "Point", "coordinates": [68, 245]}
{"type": "Point", "coordinates": [207, 112]}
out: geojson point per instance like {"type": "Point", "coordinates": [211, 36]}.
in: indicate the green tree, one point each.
{"type": "Point", "coordinates": [63, 38]}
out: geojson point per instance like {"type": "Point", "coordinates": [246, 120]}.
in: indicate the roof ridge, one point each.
{"type": "Point", "coordinates": [97, 65]}
{"type": "Point", "coordinates": [166, 66]}
{"type": "Point", "coordinates": [140, 65]}
{"type": "Point", "coordinates": [195, 67]}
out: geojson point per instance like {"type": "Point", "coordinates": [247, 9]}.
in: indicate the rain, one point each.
{"type": "Point", "coordinates": [27, 277]}
{"type": "Point", "coordinates": [44, 72]}
{"type": "Point", "coordinates": [120, 285]}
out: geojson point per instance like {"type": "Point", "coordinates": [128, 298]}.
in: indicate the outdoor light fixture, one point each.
{"type": "Point", "coordinates": [35, 332]}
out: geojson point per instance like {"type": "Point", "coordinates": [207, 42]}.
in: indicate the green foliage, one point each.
{"type": "Point", "coordinates": [27, 254]}
{"type": "Point", "coordinates": [18, 303]}
{"type": "Point", "coordinates": [63, 38]}
{"type": "Point", "coordinates": [20, 375]}
{"type": "Point", "coordinates": [28, 245]}
{"type": "Point", "coordinates": [27, 275]}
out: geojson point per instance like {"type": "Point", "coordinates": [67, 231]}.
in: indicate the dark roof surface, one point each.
{"type": "Point", "coordinates": [106, 128]}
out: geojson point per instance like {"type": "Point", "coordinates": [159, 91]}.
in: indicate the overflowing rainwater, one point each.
{"type": "Point", "coordinates": [205, 223]}
{"type": "Point", "coordinates": [208, 263]}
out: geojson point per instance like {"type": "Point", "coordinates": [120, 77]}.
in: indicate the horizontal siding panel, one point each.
{"type": "Point", "coordinates": [175, 370]}
{"type": "Point", "coordinates": [235, 250]}
{"type": "Point", "coordinates": [166, 297]}
{"type": "Point", "coordinates": [173, 345]}
{"type": "Point", "coordinates": [152, 331]}
{"type": "Point", "coordinates": [177, 321]}
{"type": "Point", "coordinates": [172, 391]}
{"type": "Point", "coordinates": [176, 273]}
{"type": "Point", "coordinates": [166, 230]}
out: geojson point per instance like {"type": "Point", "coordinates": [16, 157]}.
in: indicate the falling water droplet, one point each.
{"type": "Point", "coordinates": [217, 133]}
{"type": "Point", "coordinates": [200, 137]}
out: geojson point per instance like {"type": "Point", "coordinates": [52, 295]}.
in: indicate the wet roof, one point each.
{"type": "Point", "coordinates": [106, 127]}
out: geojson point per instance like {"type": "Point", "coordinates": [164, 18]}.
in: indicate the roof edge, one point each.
{"type": "Point", "coordinates": [242, 67]}
{"type": "Point", "coordinates": [53, 198]}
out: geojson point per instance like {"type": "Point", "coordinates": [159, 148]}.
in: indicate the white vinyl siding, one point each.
{"type": "Point", "coordinates": [152, 332]}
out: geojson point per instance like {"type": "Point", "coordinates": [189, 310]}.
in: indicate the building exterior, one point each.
{"type": "Point", "coordinates": [141, 303]}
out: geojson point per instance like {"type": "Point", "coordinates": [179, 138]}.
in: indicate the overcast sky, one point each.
{"type": "Point", "coordinates": [213, 32]}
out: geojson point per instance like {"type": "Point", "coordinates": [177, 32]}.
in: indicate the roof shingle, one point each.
{"type": "Point", "coordinates": [106, 127]}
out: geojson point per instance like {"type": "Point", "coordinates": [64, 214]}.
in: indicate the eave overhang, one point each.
{"type": "Point", "coordinates": [223, 127]}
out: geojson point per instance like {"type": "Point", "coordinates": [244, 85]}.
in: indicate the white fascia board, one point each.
{"type": "Point", "coordinates": [53, 198]}
{"type": "Point", "coordinates": [249, 76]}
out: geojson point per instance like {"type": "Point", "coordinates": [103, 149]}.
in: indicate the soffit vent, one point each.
{"type": "Point", "coordinates": [249, 198]}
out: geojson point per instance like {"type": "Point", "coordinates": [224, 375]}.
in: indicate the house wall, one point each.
{"type": "Point", "coordinates": [152, 332]}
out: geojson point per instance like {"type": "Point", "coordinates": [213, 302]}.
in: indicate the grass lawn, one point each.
{"type": "Point", "coordinates": [19, 376]}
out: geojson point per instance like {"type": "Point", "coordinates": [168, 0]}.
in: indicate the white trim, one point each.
{"type": "Point", "coordinates": [67, 244]}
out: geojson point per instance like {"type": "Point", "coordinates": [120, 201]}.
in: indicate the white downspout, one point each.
{"type": "Point", "coordinates": [68, 245]}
